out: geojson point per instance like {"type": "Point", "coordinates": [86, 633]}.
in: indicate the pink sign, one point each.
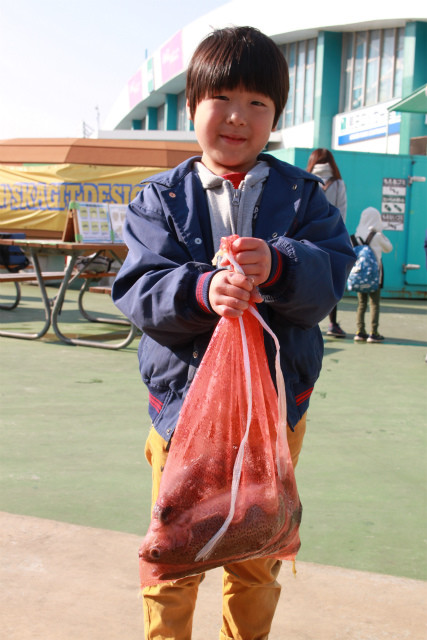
{"type": "Point", "coordinates": [171, 57]}
{"type": "Point", "coordinates": [135, 89]}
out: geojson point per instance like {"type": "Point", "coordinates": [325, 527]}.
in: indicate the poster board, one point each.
{"type": "Point", "coordinates": [69, 233]}
{"type": "Point", "coordinates": [88, 222]}
{"type": "Point", "coordinates": [117, 218]}
{"type": "Point", "coordinates": [94, 222]}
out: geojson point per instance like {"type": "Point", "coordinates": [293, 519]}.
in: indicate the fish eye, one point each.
{"type": "Point", "coordinates": [165, 513]}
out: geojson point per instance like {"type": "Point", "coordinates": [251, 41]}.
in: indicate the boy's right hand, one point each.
{"type": "Point", "coordinates": [230, 293]}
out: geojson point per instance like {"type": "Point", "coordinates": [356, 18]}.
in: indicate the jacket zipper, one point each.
{"type": "Point", "coordinates": [235, 202]}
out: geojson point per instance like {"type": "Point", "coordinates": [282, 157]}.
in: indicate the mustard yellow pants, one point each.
{"type": "Point", "coordinates": [250, 588]}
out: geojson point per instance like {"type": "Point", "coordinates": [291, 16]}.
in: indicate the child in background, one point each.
{"type": "Point", "coordinates": [370, 220]}
{"type": "Point", "coordinates": [322, 163]}
{"type": "Point", "coordinates": [295, 253]}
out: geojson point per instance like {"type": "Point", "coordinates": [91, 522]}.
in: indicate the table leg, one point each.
{"type": "Point", "coordinates": [82, 341]}
{"type": "Point", "coordinates": [46, 305]}
{"type": "Point", "coordinates": [91, 317]}
{"type": "Point", "coordinates": [14, 304]}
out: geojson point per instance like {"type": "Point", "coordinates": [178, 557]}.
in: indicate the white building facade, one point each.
{"type": "Point", "coordinates": [348, 63]}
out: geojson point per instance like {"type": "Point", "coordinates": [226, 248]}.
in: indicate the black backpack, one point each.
{"type": "Point", "coordinates": [13, 258]}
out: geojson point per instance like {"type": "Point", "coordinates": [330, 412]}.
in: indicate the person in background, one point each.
{"type": "Point", "coordinates": [322, 163]}
{"type": "Point", "coordinates": [370, 220]}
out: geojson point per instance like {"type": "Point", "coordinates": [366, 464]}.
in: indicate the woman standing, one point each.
{"type": "Point", "coordinates": [322, 163]}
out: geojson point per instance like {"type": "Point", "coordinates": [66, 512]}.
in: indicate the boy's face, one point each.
{"type": "Point", "coordinates": [232, 128]}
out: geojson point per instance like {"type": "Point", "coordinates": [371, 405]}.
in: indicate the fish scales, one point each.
{"type": "Point", "coordinates": [176, 536]}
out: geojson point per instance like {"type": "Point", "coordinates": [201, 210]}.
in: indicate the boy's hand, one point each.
{"type": "Point", "coordinates": [230, 293]}
{"type": "Point", "coordinates": [253, 255]}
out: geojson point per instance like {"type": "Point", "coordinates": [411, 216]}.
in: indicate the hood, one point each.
{"type": "Point", "coordinates": [370, 220]}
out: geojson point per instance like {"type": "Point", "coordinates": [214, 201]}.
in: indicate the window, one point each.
{"type": "Point", "coordinates": [182, 119]}
{"type": "Point", "coordinates": [289, 109]}
{"type": "Point", "coordinates": [301, 59]}
{"type": "Point", "coordinates": [372, 67]}
{"type": "Point", "coordinates": [161, 117]}
{"type": "Point", "coordinates": [309, 80]}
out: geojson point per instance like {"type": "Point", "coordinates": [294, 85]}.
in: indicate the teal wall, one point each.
{"type": "Point", "coordinates": [327, 86]}
{"type": "Point", "coordinates": [171, 111]}
{"type": "Point", "coordinates": [151, 118]}
{"type": "Point", "coordinates": [363, 174]}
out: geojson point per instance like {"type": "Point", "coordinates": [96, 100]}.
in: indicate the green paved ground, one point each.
{"type": "Point", "coordinates": [73, 424]}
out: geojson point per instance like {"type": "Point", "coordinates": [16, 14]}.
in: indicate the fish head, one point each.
{"type": "Point", "coordinates": [169, 530]}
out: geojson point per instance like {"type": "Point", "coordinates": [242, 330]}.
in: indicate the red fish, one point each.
{"type": "Point", "coordinates": [260, 527]}
{"type": "Point", "coordinates": [228, 491]}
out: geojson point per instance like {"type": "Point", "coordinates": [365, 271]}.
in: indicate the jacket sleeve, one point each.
{"type": "Point", "coordinates": [313, 259]}
{"type": "Point", "coordinates": [385, 243]}
{"type": "Point", "coordinates": [157, 287]}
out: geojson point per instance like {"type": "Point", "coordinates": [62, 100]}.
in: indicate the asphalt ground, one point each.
{"type": "Point", "coordinates": [73, 422]}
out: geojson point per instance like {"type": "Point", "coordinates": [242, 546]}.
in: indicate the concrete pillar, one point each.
{"type": "Point", "coordinates": [327, 86]}
{"type": "Point", "coordinates": [151, 118]}
{"type": "Point", "coordinates": [171, 112]}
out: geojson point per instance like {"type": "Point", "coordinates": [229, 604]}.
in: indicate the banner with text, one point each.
{"type": "Point", "coordinates": [37, 196]}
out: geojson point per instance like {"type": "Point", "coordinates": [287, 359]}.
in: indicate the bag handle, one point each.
{"type": "Point", "coordinates": [280, 382]}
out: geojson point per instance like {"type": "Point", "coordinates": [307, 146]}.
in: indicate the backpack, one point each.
{"type": "Point", "coordinates": [13, 258]}
{"type": "Point", "coordinates": [365, 274]}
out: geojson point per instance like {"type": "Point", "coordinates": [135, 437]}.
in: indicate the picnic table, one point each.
{"type": "Point", "coordinates": [35, 248]}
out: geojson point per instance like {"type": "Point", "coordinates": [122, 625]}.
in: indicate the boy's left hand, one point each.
{"type": "Point", "coordinates": [253, 255]}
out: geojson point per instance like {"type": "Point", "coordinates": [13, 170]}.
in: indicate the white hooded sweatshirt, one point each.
{"type": "Point", "coordinates": [370, 220]}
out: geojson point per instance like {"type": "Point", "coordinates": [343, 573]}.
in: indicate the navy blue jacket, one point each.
{"type": "Point", "coordinates": [163, 284]}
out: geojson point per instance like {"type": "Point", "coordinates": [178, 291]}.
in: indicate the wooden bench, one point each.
{"type": "Point", "coordinates": [24, 276]}
{"type": "Point", "coordinates": [33, 233]}
{"type": "Point", "coordinates": [30, 276]}
{"type": "Point", "coordinates": [100, 290]}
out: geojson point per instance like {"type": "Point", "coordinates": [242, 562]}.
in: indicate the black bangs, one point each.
{"type": "Point", "coordinates": [238, 57]}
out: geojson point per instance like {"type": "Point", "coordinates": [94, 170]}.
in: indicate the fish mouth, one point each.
{"type": "Point", "coordinates": [152, 554]}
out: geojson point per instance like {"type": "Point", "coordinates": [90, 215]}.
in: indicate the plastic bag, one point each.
{"type": "Point", "coordinates": [228, 490]}
{"type": "Point", "coordinates": [93, 263]}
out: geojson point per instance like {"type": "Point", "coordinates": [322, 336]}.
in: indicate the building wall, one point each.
{"type": "Point", "coordinates": [365, 175]}
{"type": "Point", "coordinates": [160, 80]}
{"type": "Point", "coordinates": [370, 144]}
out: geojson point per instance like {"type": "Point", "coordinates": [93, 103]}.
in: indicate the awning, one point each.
{"type": "Point", "coordinates": [414, 103]}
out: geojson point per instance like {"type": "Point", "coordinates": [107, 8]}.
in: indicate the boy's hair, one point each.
{"type": "Point", "coordinates": [238, 57]}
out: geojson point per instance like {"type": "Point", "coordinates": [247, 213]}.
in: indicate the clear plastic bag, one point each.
{"type": "Point", "coordinates": [228, 490]}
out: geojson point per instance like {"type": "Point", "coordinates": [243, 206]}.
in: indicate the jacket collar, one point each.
{"type": "Point", "coordinates": [169, 179]}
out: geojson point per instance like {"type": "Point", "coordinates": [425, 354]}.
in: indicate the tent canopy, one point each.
{"type": "Point", "coordinates": [414, 103]}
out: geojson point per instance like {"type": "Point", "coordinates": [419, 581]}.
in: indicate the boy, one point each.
{"type": "Point", "coordinates": [294, 250]}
